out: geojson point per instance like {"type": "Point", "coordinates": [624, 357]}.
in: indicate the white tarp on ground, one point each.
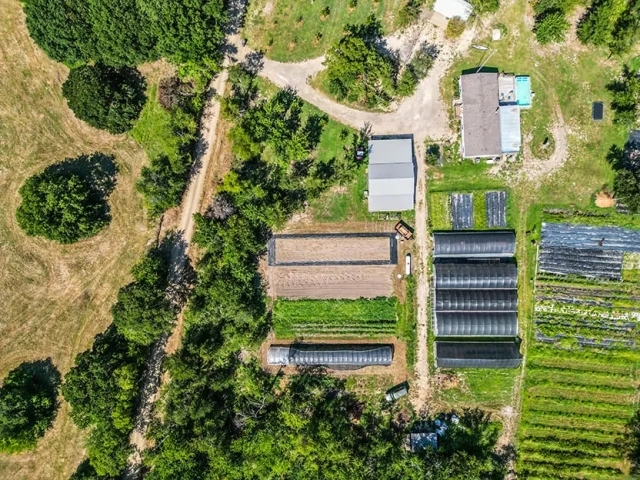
{"type": "Point", "coordinates": [453, 8]}
{"type": "Point", "coordinates": [510, 136]}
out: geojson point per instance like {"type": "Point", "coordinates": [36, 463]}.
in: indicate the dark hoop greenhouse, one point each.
{"type": "Point", "coordinates": [331, 355]}
{"type": "Point", "coordinates": [477, 355]}
{"type": "Point", "coordinates": [472, 324]}
{"type": "Point", "coordinates": [474, 244]}
{"type": "Point", "coordinates": [476, 275]}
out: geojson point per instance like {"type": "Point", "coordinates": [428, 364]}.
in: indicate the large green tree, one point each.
{"type": "Point", "coordinates": [28, 405]}
{"type": "Point", "coordinates": [600, 22]}
{"type": "Point", "coordinates": [105, 97]}
{"type": "Point", "coordinates": [625, 92]}
{"type": "Point", "coordinates": [356, 68]}
{"type": "Point", "coordinates": [143, 311]}
{"type": "Point", "coordinates": [102, 389]}
{"type": "Point", "coordinates": [551, 27]}
{"type": "Point", "coordinates": [65, 204]}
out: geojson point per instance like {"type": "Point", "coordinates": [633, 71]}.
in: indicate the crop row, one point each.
{"type": "Point", "coordinates": [572, 407]}
{"type": "Point", "coordinates": [549, 329]}
{"type": "Point", "coordinates": [577, 422]}
{"type": "Point", "coordinates": [571, 437]}
{"type": "Point", "coordinates": [294, 311]}
{"type": "Point", "coordinates": [572, 393]}
{"type": "Point", "coordinates": [548, 469]}
{"type": "Point", "coordinates": [567, 458]}
{"type": "Point", "coordinates": [621, 361]}
{"type": "Point", "coordinates": [600, 380]}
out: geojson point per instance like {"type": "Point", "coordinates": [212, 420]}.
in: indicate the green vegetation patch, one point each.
{"type": "Point", "coordinates": [487, 388]}
{"type": "Point", "coordinates": [290, 31]}
{"type": "Point", "coordinates": [335, 318]}
{"type": "Point", "coordinates": [440, 210]}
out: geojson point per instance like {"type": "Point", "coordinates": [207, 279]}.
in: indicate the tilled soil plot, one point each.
{"type": "Point", "coordinates": [323, 282]}
{"type": "Point", "coordinates": [331, 249]}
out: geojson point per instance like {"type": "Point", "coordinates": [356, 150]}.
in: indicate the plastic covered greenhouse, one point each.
{"type": "Point", "coordinates": [331, 355]}
{"type": "Point", "coordinates": [477, 355]}
{"type": "Point", "coordinates": [474, 244]}
{"type": "Point", "coordinates": [476, 300]}
{"type": "Point", "coordinates": [472, 324]}
{"type": "Point", "coordinates": [476, 275]}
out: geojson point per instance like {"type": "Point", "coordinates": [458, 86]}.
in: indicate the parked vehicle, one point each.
{"type": "Point", "coordinates": [404, 230]}
{"type": "Point", "coordinates": [397, 392]}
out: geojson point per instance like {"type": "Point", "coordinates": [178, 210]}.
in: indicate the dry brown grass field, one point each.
{"type": "Point", "coordinates": [54, 298]}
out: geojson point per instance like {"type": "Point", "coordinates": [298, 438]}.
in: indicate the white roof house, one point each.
{"type": "Point", "coordinates": [391, 175]}
{"type": "Point", "coordinates": [453, 8]}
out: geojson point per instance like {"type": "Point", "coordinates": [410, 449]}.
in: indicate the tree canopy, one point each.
{"type": "Point", "coordinates": [129, 32]}
{"type": "Point", "coordinates": [143, 311]}
{"type": "Point", "coordinates": [105, 97]}
{"type": "Point", "coordinates": [65, 202]}
{"type": "Point", "coordinates": [552, 27]}
{"type": "Point", "coordinates": [625, 92]}
{"type": "Point", "coordinates": [102, 389]}
{"type": "Point", "coordinates": [28, 405]}
{"type": "Point", "coordinates": [356, 68]}
{"type": "Point", "coordinates": [599, 24]}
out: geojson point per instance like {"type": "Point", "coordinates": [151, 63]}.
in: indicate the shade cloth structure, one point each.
{"type": "Point", "coordinates": [331, 355]}
{"type": "Point", "coordinates": [453, 8]}
{"type": "Point", "coordinates": [476, 275]}
{"type": "Point", "coordinates": [391, 175]}
{"type": "Point", "coordinates": [474, 244]}
{"type": "Point", "coordinates": [586, 236]}
{"type": "Point", "coordinates": [586, 262]}
{"type": "Point", "coordinates": [477, 355]}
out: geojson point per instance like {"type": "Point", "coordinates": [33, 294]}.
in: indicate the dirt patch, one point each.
{"type": "Point", "coordinates": [397, 369]}
{"type": "Point", "coordinates": [324, 282]}
{"type": "Point", "coordinates": [605, 200]}
{"type": "Point", "coordinates": [331, 249]}
{"type": "Point", "coordinates": [445, 381]}
{"type": "Point", "coordinates": [304, 223]}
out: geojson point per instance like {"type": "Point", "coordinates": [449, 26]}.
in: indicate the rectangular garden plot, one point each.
{"type": "Point", "coordinates": [462, 211]}
{"type": "Point", "coordinates": [496, 209]}
{"type": "Point", "coordinates": [586, 262]}
{"type": "Point", "coordinates": [335, 318]}
{"type": "Point", "coordinates": [323, 282]}
{"type": "Point", "coordinates": [333, 249]}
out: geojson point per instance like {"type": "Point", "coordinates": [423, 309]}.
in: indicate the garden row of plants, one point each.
{"type": "Point", "coordinates": [578, 399]}
{"type": "Point", "coordinates": [361, 317]}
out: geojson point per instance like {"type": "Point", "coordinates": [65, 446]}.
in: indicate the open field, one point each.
{"type": "Point", "coordinates": [334, 248]}
{"type": "Point", "coordinates": [292, 31]}
{"type": "Point", "coordinates": [335, 318]}
{"type": "Point", "coordinates": [55, 298]}
{"type": "Point", "coordinates": [321, 282]}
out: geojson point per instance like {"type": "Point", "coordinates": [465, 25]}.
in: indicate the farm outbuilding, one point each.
{"type": "Point", "coordinates": [453, 8]}
{"type": "Point", "coordinates": [341, 356]}
{"type": "Point", "coordinates": [474, 244]}
{"type": "Point", "coordinates": [477, 355]}
{"type": "Point", "coordinates": [490, 115]}
{"type": "Point", "coordinates": [391, 174]}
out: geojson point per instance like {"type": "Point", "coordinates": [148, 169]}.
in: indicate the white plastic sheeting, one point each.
{"type": "Point", "coordinates": [454, 8]}
{"type": "Point", "coordinates": [510, 134]}
{"type": "Point", "coordinates": [331, 355]}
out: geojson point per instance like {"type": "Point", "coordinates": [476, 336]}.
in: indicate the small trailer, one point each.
{"type": "Point", "coordinates": [408, 264]}
{"type": "Point", "coordinates": [403, 230]}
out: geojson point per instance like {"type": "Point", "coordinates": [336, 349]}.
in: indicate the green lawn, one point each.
{"type": "Point", "coordinates": [295, 30]}
{"type": "Point", "coordinates": [153, 131]}
{"type": "Point", "coordinates": [489, 389]}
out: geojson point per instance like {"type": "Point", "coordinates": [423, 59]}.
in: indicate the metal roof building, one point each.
{"type": "Point", "coordinates": [339, 356]}
{"type": "Point", "coordinates": [391, 175]}
{"type": "Point", "coordinates": [453, 8]}
{"type": "Point", "coordinates": [489, 244]}
{"type": "Point", "coordinates": [477, 355]}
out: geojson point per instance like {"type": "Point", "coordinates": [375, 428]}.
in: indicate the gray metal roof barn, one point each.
{"type": "Point", "coordinates": [477, 355]}
{"type": "Point", "coordinates": [391, 175]}
{"type": "Point", "coordinates": [331, 355]}
{"type": "Point", "coordinates": [474, 244]}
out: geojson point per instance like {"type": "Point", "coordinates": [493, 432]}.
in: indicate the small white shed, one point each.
{"type": "Point", "coordinates": [454, 8]}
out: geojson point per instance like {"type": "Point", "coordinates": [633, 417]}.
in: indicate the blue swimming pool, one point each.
{"type": "Point", "coordinates": [523, 91]}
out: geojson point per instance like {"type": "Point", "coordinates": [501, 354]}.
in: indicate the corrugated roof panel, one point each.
{"type": "Point", "coordinates": [390, 186]}
{"type": "Point", "coordinates": [391, 170]}
{"type": "Point", "coordinates": [477, 324]}
{"type": "Point", "coordinates": [393, 150]}
{"type": "Point", "coordinates": [510, 135]}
